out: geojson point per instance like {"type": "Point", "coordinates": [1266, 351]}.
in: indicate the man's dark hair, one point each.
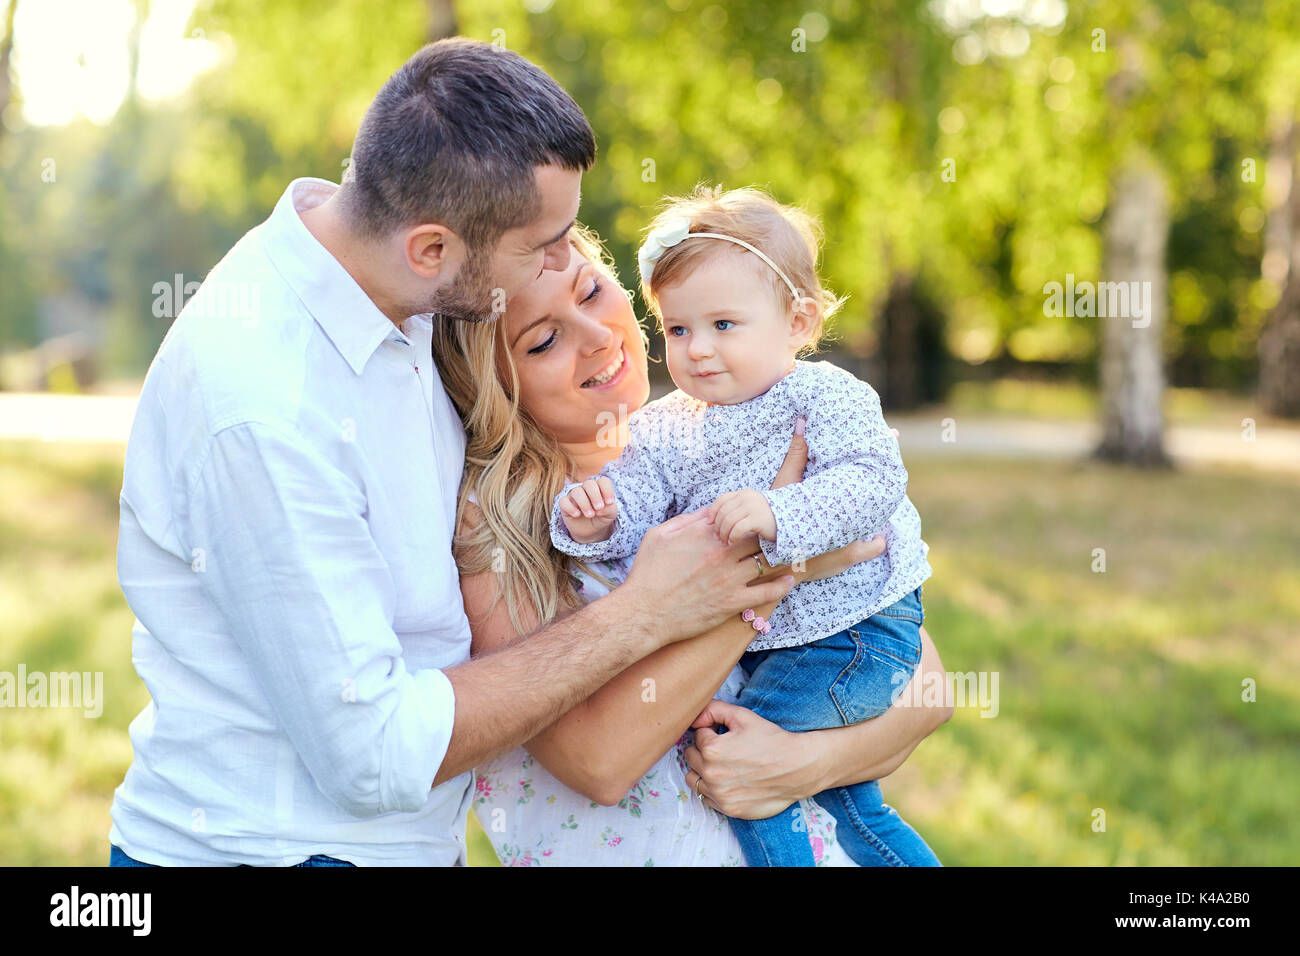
{"type": "Point", "coordinates": [454, 136]}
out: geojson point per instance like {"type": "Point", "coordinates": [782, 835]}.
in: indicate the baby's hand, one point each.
{"type": "Point", "coordinates": [738, 513]}
{"type": "Point", "coordinates": [589, 510]}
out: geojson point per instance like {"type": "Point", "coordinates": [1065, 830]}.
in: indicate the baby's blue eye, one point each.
{"type": "Point", "coordinates": [675, 329]}
{"type": "Point", "coordinates": [723, 324]}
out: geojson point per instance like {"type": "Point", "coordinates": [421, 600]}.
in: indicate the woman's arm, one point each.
{"type": "Point", "coordinates": [603, 746]}
{"type": "Point", "coordinates": [757, 769]}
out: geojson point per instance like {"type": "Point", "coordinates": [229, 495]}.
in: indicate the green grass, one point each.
{"type": "Point", "coordinates": [62, 610]}
{"type": "Point", "coordinates": [1119, 691]}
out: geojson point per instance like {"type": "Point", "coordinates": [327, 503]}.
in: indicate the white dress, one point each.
{"type": "Point", "coordinates": [534, 820]}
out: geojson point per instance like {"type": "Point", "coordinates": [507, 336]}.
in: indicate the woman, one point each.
{"type": "Point", "coordinates": [544, 393]}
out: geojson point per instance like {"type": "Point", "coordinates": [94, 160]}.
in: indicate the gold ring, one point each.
{"type": "Point", "coordinates": [698, 781]}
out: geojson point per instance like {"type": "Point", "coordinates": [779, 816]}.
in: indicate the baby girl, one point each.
{"type": "Point", "coordinates": [732, 278]}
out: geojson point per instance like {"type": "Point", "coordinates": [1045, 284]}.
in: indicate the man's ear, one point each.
{"type": "Point", "coordinates": [432, 249]}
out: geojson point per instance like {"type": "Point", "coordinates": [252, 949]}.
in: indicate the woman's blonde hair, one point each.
{"type": "Point", "coordinates": [788, 235]}
{"type": "Point", "coordinates": [514, 468]}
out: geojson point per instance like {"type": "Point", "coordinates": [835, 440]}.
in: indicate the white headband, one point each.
{"type": "Point", "coordinates": [676, 230]}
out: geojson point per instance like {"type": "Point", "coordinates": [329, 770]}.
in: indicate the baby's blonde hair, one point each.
{"type": "Point", "coordinates": [788, 235]}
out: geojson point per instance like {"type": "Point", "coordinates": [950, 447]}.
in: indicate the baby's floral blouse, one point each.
{"type": "Point", "coordinates": [534, 820]}
{"type": "Point", "coordinates": [682, 453]}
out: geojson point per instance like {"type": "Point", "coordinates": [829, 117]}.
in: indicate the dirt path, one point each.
{"type": "Point", "coordinates": [102, 418]}
{"type": "Point", "coordinates": [1274, 448]}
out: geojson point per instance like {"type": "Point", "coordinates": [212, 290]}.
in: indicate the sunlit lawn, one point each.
{"type": "Point", "coordinates": [1119, 691]}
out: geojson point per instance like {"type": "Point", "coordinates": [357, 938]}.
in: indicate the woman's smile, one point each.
{"type": "Point", "coordinates": [579, 351]}
{"type": "Point", "coordinates": [611, 374]}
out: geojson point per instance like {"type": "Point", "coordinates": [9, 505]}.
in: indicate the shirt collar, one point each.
{"type": "Point", "coordinates": [346, 314]}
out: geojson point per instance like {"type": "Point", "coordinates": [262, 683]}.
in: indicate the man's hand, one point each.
{"type": "Point", "coordinates": [752, 772]}
{"type": "Point", "coordinates": [589, 510]}
{"type": "Point", "coordinates": [757, 769]}
{"type": "Point", "coordinates": [687, 581]}
{"type": "Point", "coordinates": [821, 566]}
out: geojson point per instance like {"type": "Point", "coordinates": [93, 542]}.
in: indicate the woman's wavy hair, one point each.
{"type": "Point", "coordinates": [514, 468]}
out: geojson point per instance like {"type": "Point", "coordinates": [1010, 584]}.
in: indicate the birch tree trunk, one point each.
{"type": "Point", "coordinates": [1279, 340]}
{"type": "Point", "coordinates": [442, 19]}
{"type": "Point", "coordinates": [1132, 361]}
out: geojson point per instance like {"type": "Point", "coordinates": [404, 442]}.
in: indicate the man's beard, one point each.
{"type": "Point", "coordinates": [470, 297]}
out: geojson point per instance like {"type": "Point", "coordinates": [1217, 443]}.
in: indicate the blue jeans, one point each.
{"type": "Point", "coordinates": [843, 679]}
{"type": "Point", "coordinates": [117, 858]}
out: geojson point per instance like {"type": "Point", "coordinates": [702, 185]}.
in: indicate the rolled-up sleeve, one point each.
{"type": "Point", "coordinates": [283, 549]}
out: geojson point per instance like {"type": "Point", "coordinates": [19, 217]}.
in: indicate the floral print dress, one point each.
{"type": "Point", "coordinates": [534, 820]}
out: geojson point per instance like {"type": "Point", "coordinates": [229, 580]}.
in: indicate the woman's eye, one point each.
{"type": "Point", "coordinates": [543, 347]}
{"type": "Point", "coordinates": [723, 324]}
{"type": "Point", "coordinates": [595, 291]}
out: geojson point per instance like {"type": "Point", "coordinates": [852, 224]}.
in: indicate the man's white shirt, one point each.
{"type": "Point", "coordinates": [287, 511]}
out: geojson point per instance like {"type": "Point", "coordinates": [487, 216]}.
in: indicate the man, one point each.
{"type": "Point", "coordinates": [289, 497]}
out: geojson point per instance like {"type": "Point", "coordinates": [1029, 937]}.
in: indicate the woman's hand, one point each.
{"type": "Point", "coordinates": [796, 459]}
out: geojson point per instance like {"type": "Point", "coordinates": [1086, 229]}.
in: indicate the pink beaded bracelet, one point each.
{"type": "Point", "coordinates": [758, 623]}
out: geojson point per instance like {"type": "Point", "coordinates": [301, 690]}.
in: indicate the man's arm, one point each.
{"type": "Point", "coordinates": [608, 741]}
{"type": "Point", "coordinates": [682, 583]}
{"type": "Point", "coordinates": [307, 596]}
{"type": "Point", "coordinates": [289, 562]}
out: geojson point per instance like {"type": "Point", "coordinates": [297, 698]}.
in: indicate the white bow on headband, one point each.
{"type": "Point", "coordinates": [676, 230]}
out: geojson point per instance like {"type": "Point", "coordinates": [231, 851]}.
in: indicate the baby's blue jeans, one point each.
{"type": "Point", "coordinates": [843, 679]}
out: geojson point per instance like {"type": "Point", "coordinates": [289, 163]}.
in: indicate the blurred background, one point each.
{"type": "Point", "coordinates": [1112, 500]}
